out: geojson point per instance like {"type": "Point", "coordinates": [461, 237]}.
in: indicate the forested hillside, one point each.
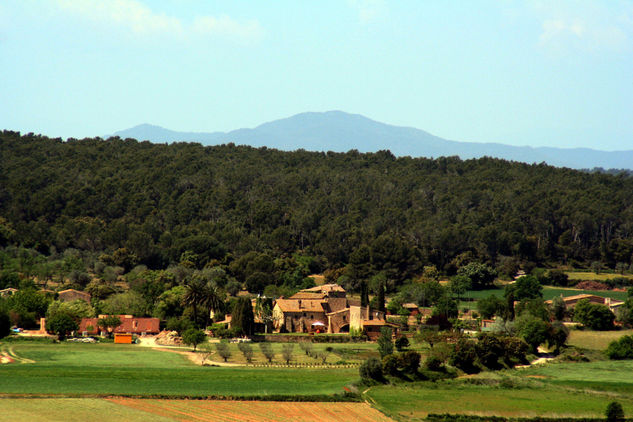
{"type": "Point", "coordinates": [152, 204]}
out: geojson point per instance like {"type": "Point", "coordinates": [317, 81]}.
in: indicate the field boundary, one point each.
{"type": "Point", "coordinates": [317, 398]}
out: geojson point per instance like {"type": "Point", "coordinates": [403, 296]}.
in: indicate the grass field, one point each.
{"type": "Point", "coordinates": [591, 276]}
{"type": "Point", "coordinates": [595, 340]}
{"type": "Point", "coordinates": [415, 402]}
{"type": "Point", "coordinates": [102, 369]}
{"type": "Point", "coordinates": [72, 410]}
{"type": "Point", "coordinates": [605, 376]}
{"type": "Point", "coordinates": [555, 390]}
{"type": "Point", "coordinates": [549, 292]}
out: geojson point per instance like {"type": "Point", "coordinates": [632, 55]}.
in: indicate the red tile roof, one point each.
{"type": "Point", "coordinates": [129, 324]}
{"type": "Point", "coordinates": [303, 305]}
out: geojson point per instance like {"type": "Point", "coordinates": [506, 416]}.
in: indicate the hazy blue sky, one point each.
{"type": "Point", "coordinates": [552, 72]}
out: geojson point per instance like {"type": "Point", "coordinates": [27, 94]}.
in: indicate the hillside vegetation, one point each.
{"type": "Point", "coordinates": [153, 203]}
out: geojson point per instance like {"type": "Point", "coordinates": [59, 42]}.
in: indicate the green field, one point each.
{"type": "Point", "coordinates": [71, 410]}
{"type": "Point", "coordinates": [103, 369]}
{"type": "Point", "coordinates": [595, 340]}
{"type": "Point", "coordinates": [549, 292]}
{"type": "Point", "coordinates": [591, 276]}
{"type": "Point", "coordinates": [555, 390]}
{"type": "Point", "coordinates": [415, 402]}
{"type": "Point", "coordinates": [604, 376]}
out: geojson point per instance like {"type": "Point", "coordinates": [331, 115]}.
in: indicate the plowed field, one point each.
{"type": "Point", "coordinates": [225, 410]}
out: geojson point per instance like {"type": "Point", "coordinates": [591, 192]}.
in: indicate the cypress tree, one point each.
{"type": "Point", "coordinates": [242, 318]}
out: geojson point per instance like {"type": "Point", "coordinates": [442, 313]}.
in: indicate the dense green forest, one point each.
{"type": "Point", "coordinates": [266, 216]}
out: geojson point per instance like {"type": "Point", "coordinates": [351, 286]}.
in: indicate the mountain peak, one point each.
{"type": "Point", "coordinates": [339, 131]}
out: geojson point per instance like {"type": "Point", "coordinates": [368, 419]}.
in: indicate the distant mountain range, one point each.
{"type": "Point", "coordinates": [340, 132]}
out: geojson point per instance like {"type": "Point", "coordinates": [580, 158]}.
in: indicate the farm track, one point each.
{"type": "Point", "coordinates": [255, 411]}
{"type": "Point", "coordinates": [8, 355]}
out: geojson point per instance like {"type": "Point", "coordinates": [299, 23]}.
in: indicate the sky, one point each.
{"type": "Point", "coordinates": [538, 73]}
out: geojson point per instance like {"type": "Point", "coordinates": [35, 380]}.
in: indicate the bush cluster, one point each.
{"type": "Point", "coordinates": [621, 349]}
{"type": "Point", "coordinates": [490, 351]}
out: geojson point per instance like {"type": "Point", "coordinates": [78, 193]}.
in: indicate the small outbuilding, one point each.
{"type": "Point", "coordinates": [121, 338]}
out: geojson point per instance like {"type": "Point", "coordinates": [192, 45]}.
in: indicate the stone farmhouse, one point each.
{"type": "Point", "coordinates": [571, 301]}
{"type": "Point", "coordinates": [70, 295]}
{"type": "Point", "coordinates": [324, 309]}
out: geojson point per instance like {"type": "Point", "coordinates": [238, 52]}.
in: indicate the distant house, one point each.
{"type": "Point", "coordinates": [324, 309]}
{"type": "Point", "coordinates": [412, 308]}
{"type": "Point", "coordinates": [70, 295]}
{"type": "Point", "coordinates": [373, 327]}
{"type": "Point", "coordinates": [129, 325]}
{"type": "Point", "coordinates": [571, 301]}
{"type": "Point", "coordinates": [487, 324]}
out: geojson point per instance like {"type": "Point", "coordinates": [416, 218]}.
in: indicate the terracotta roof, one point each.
{"type": "Point", "coordinates": [590, 297]}
{"type": "Point", "coordinates": [339, 311]}
{"type": "Point", "coordinates": [129, 324]}
{"type": "Point", "coordinates": [292, 305]}
{"type": "Point", "coordinates": [308, 295]}
{"type": "Point", "coordinates": [72, 293]}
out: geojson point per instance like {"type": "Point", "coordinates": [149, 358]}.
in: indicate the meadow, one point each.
{"type": "Point", "coordinates": [591, 276]}
{"type": "Point", "coordinates": [554, 390]}
{"type": "Point", "coordinates": [549, 292]}
{"type": "Point", "coordinates": [595, 340]}
{"type": "Point", "coordinates": [71, 369]}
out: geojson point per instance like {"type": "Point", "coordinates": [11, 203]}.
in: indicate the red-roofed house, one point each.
{"type": "Point", "coordinates": [129, 325]}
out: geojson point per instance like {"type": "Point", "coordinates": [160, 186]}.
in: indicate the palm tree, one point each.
{"type": "Point", "coordinates": [195, 294]}
{"type": "Point", "coordinates": [213, 298]}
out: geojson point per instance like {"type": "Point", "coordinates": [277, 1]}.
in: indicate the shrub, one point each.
{"type": "Point", "coordinates": [402, 343]}
{"type": "Point", "coordinates": [371, 371]}
{"type": "Point", "coordinates": [621, 349]}
{"type": "Point", "coordinates": [409, 362]}
{"type": "Point", "coordinates": [434, 363]}
{"type": "Point", "coordinates": [614, 412]}
{"type": "Point", "coordinates": [593, 315]}
{"type": "Point", "coordinates": [490, 349]}
{"type": "Point", "coordinates": [464, 356]}
{"type": "Point", "coordinates": [390, 365]}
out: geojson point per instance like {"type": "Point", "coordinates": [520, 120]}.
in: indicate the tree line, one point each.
{"type": "Point", "coordinates": [270, 217]}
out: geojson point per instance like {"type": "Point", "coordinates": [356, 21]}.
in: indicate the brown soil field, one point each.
{"type": "Point", "coordinates": [256, 411]}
